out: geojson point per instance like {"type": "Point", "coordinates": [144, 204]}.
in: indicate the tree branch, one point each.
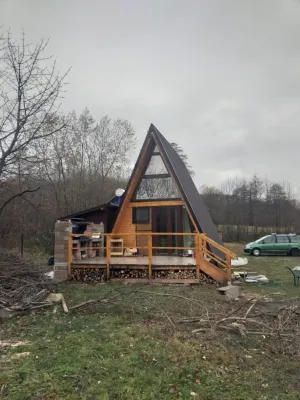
{"type": "Point", "coordinates": [15, 196]}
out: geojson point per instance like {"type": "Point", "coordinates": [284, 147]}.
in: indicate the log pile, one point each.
{"type": "Point", "coordinates": [129, 273]}
{"type": "Point", "coordinates": [206, 279]}
{"type": "Point", "coordinates": [182, 274]}
{"type": "Point", "coordinates": [88, 275]}
{"type": "Point", "coordinates": [174, 274]}
{"type": "Point", "coordinates": [94, 275]}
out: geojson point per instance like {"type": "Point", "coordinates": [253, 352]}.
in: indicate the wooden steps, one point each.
{"type": "Point", "coordinates": [214, 272]}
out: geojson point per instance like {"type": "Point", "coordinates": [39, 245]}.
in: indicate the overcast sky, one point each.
{"type": "Point", "coordinates": [219, 77]}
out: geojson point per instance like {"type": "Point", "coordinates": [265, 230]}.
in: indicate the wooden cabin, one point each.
{"type": "Point", "coordinates": [162, 197]}
{"type": "Point", "coordinates": [157, 223]}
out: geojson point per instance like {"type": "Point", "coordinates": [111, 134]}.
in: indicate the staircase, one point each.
{"type": "Point", "coordinates": [214, 259]}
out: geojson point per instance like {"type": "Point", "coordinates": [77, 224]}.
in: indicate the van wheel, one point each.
{"type": "Point", "coordinates": [295, 253]}
{"type": "Point", "coordinates": [256, 252]}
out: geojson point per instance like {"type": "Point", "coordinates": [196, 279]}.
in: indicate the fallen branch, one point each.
{"type": "Point", "coordinates": [103, 299]}
{"type": "Point", "coordinates": [166, 315]}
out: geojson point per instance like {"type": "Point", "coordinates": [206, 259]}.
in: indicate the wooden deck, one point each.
{"type": "Point", "coordinates": [157, 261]}
{"type": "Point", "coordinates": [216, 265]}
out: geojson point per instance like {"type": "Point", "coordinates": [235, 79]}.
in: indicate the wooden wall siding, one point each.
{"type": "Point", "coordinates": [126, 226]}
{"type": "Point", "coordinates": [142, 241]}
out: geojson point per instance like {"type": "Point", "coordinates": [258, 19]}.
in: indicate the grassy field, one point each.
{"type": "Point", "coordinates": [134, 348]}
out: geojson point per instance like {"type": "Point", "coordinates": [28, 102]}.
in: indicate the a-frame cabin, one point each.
{"type": "Point", "coordinates": [161, 197]}
{"type": "Point", "coordinates": [161, 226]}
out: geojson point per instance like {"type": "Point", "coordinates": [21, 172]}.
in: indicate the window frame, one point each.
{"type": "Point", "coordinates": [150, 178]}
{"type": "Point", "coordinates": [134, 215]}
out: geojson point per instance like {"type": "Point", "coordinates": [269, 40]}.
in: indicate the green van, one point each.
{"type": "Point", "coordinates": [288, 244]}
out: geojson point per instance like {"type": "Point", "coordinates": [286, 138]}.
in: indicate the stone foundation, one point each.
{"type": "Point", "coordinates": [62, 231]}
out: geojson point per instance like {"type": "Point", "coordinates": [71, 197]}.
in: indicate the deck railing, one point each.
{"type": "Point", "coordinates": [203, 248]}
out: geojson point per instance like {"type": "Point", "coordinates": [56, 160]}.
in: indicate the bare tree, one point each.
{"type": "Point", "coordinates": [30, 92]}
{"type": "Point", "coordinates": [85, 162]}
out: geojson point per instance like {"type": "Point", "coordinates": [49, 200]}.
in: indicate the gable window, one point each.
{"type": "Point", "coordinates": [141, 215]}
{"type": "Point", "coordinates": [156, 166]}
{"type": "Point", "coordinates": [156, 183]}
{"type": "Point", "coordinates": [157, 189]}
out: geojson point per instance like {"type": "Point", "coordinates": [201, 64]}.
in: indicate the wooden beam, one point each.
{"type": "Point", "coordinates": [88, 266]}
{"type": "Point", "coordinates": [160, 203]}
{"type": "Point", "coordinates": [171, 268]}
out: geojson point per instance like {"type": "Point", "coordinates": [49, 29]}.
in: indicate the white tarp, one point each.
{"type": "Point", "coordinates": [240, 261]}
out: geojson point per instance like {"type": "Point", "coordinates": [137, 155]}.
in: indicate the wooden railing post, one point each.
{"type": "Point", "coordinates": [198, 255]}
{"type": "Point", "coordinates": [228, 268]}
{"type": "Point", "coordinates": [204, 245]}
{"type": "Point", "coordinates": [108, 257]}
{"type": "Point", "coordinates": [70, 254]}
{"type": "Point", "coordinates": [150, 256]}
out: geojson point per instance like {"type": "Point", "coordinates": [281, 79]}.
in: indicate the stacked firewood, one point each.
{"type": "Point", "coordinates": [206, 279]}
{"type": "Point", "coordinates": [182, 274]}
{"type": "Point", "coordinates": [129, 273]}
{"type": "Point", "coordinates": [94, 275]}
{"type": "Point", "coordinates": [174, 274]}
{"type": "Point", "coordinates": [89, 275]}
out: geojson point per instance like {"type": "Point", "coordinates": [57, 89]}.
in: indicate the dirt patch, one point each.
{"type": "Point", "coordinates": [9, 343]}
{"type": "Point", "coordinates": [20, 355]}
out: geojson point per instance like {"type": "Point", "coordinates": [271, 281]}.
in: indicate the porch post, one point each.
{"type": "Point", "coordinates": [150, 256]}
{"type": "Point", "coordinates": [108, 257]}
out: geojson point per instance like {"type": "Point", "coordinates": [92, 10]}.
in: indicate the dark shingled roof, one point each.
{"type": "Point", "coordinates": [186, 185]}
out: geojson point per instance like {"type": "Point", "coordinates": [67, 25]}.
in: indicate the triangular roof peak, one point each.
{"type": "Point", "coordinates": [181, 176]}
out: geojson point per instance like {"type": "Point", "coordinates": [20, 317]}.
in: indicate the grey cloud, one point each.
{"type": "Point", "coordinates": [221, 78]}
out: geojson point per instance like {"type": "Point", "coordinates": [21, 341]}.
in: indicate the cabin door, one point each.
{"type": "Point", "coordinates": [167, 220]}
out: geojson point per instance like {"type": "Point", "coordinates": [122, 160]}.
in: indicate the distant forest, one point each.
{"type": "Point", "coordinates": [246, 209]}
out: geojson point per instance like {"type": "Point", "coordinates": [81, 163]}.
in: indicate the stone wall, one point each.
{"type": "Point", "coordinates": [62, 231]}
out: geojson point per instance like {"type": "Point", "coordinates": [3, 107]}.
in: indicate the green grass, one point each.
{"type": "Point", "coordinates": [130, 349]}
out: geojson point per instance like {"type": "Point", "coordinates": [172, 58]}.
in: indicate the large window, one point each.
{"type": "Point", "coordinates": [141, 215]}
{"type": "Point", "coordinates": [156, 183]}
{"type": "Point", "coordinates": [156, 189]}
{"type": "Point", "coordinates": [156, 166]}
